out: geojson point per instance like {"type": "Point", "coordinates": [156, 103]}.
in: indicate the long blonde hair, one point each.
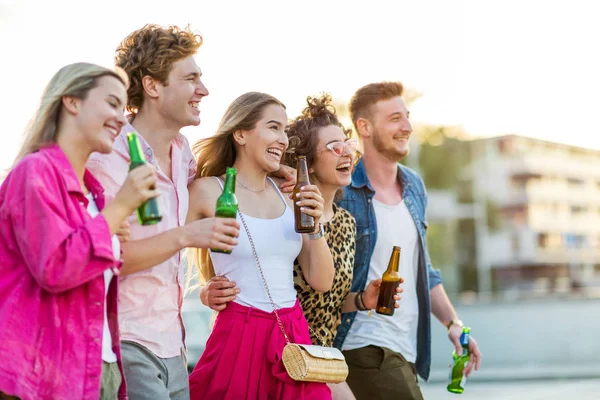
{"type": "Point", "coordinates": [74, 80]}
{"type": "Point", "coordinates": [214, 154]}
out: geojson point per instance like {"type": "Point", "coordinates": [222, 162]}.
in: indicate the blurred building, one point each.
{"type": "Point", "coordinates": [535, 226]}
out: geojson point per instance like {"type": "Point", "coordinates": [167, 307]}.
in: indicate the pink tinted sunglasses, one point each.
{"type": "Point", "coordinates": [338, 148]}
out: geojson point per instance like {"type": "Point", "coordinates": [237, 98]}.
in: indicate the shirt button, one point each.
{"type": "Point", "coordinates": [98, 304]}
{"type": "Point", "coordinates": [348, 320]}
{"type": "Point", "coordinates": [369, 200]}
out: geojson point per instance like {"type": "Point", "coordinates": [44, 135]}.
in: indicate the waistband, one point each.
{"type": "Point", "coordinates": [288, 312]}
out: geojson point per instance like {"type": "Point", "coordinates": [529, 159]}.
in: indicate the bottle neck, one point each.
{"type": "Point", "coordinates": [394, 264]}
{"type": "Point", "coordinates": [135, 150]}
{"type": "Point", "coordinates": [229, 183]}
{"type": "Point", "coordinates": [302, 175]}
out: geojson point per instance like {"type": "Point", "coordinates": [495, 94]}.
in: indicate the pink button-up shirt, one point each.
{"type": "Point", "coordinates": [150, 300]}
{"type": "Point", "coordinates": [52, 261]}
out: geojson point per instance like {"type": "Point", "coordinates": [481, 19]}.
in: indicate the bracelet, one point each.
{"type": "Point", "coordinates": [455, 322]}
{"type": "Point", "coordinates": [364, 307]}
{"type": "Point", "coordinates": [360, 306]}
{"type": "Point", "coordinates": [318, 235]}
{"type": "Point", "coordinates": [356, 304]}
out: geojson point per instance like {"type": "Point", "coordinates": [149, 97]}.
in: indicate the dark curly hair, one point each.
{"type": "Point", "coordinates": [152, 51]}
{"type": "Point", "coordinates": [302, 132]}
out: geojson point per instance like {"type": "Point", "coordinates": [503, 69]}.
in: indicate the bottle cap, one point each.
{"type": "Point", "coordinates": [464, 337]}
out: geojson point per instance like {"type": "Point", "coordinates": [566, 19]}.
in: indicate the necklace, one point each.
{"type": "Point", "coordinates": [252, 190]}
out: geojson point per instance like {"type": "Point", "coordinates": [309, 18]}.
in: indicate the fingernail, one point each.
{"type": "Point", "coordinates": [302, 208]}
{"type": "Point", "coordinates": [298, 203]}
{"type": "Point", "coordinates": [303, 187]}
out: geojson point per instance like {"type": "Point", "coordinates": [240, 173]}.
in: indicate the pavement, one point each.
{"type": "Point", "coordinates": [526, 372]}
{"type": "Point", "coordinates": [565, 389]}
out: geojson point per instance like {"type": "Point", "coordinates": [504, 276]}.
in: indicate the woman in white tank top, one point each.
{"type": "Point", "coordinates": [242, 358]}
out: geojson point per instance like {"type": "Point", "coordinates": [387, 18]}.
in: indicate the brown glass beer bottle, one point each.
{"type": "Point", "coordinates": [304, 223]}
{"type": "Point", "coordinates": [390, 281]}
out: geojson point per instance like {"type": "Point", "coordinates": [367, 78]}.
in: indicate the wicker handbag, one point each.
{"type": "Point", "coordinates": [304, 362]}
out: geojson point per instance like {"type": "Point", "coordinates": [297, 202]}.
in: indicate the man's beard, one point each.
{"type": "Point", "coordinates": [390, 152]}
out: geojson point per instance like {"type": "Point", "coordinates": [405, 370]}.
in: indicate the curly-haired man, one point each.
{"type": "Point", "coordinates": [163, 97]}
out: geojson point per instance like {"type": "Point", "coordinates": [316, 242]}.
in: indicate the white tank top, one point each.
{"type": "Point", "coordinates": [277, 245]}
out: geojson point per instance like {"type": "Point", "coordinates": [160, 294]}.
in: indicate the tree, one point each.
{"type": "Point", "coordinates": [441, 154]}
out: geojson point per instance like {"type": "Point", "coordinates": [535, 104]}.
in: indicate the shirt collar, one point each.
{"type": "Point", "coordinates": [60, 160]}
{"type": "Point", "coordinates": [360, 178]}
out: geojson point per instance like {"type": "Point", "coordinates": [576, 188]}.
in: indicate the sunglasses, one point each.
{"type": "Point", "coordinates": [339, 148]}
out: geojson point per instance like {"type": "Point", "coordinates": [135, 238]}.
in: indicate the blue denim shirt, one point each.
{"type": "Point", "coordinates": [358, 200]}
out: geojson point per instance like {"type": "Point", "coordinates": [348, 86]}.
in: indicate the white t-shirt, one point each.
{"type": "Point", "coordinates": [107, 354]}
{"type": "Point", "coordinates": [395, 227]}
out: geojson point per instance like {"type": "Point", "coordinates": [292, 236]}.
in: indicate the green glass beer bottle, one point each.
{"type": "Point", "coordinates": [148, 213]}
{"type": "Point", "coordinates": [457, 379]}
{"type": "Point", "coordinates": [227, 204]}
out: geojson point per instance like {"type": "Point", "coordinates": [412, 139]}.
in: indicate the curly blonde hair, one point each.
{"type": "Point", "coordinates": [152, 51]}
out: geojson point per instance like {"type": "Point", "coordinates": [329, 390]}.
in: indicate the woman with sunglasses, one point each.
{"type": "Point", "coordinates": [331, 153]}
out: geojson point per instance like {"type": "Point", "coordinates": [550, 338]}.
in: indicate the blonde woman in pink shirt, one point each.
{"type": "Point", "coordinates": [59, 254]}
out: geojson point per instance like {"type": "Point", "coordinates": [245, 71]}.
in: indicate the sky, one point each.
{"type": "Point", "coordinates": [493, 67]}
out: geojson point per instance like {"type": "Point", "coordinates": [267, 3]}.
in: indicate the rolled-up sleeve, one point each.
{"type": "Point", "coordinates": [435, 278]}
{"type": "Point", "coordinates": [58, 255]}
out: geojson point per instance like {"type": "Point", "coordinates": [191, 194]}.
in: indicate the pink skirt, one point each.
{"type": "Point", "coordinates": [242, 359]}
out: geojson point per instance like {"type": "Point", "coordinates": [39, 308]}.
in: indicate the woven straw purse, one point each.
{"type": "Point", "coordinates": [304, 362]}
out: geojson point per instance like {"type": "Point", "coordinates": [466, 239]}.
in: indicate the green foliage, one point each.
{"type": "Point", "coordinates": [442, 154]}
{"type": "Point", "coordinates": [436, 244]}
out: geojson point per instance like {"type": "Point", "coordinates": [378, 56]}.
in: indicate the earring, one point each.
{"type": "Point", "coordinates": [242, 142]}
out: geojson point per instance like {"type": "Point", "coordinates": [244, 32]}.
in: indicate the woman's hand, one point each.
{"type": "Point", "coordinates": [139, 187]}
{"type": "Point", "coordinates": [371, 294]}
{"type": "Point", "coordinates": [311, 203]}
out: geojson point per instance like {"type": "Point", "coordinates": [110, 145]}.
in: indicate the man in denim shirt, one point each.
{"type": "Point", "coordinates": [385, 353]}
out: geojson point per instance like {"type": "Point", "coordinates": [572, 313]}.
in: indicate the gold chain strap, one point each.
{"type": "Point", "coordinates": [262, 275]}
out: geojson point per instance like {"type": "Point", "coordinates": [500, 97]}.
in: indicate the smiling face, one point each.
{"type": "Point", "coordinates": [390, 128]}
{"type": "Point", "coordinates": [179, 99]}
{"type": "Point", "coordinates": [100, 116]}
{"type": "Point", "coordinates": [332, 163]}
{"type": "Point", "coordinates": [267, 142]}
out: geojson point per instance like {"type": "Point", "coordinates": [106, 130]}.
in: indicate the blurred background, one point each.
{"type": "Point", "coordinates": [503, 98]}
